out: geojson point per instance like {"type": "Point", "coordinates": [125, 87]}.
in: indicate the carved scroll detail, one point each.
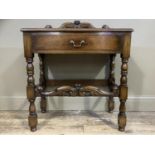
{"type": "Point", "coordinates": [66, 91]}
{"type": "Point", "coordinates": [93, 91]}
{"type": "Point", "coordinates": [77, 90]}
{"type": "Point", "coordinates": [76, 24]}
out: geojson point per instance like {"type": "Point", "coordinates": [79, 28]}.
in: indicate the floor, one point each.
{"type": "Point", "coordinates": [76, 122]}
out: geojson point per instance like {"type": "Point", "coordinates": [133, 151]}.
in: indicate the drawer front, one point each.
{"type": "Point", "coordinates": [76, 42]}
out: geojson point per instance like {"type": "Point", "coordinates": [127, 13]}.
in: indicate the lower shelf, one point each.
{"type": "Point", "coordinates": [76, 88]}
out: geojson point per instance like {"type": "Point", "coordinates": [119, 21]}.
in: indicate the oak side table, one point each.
{"type": "Point", "coordinates": [77, 38]}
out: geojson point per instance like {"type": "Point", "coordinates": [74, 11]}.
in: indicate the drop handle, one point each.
{"type": "Point", "coordinates": [77, 45]}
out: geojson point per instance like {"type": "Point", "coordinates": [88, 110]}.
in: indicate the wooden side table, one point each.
{"type": "Point", "coordinates": [76, 38]}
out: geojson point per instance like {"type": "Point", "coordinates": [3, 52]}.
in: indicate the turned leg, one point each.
{"type": "Point", "coordinates": [42, 83]}
{"type": "Point", "coordinates": [31, 95]}
{"type": "Point", "coordinates": [123, 93]}
{"type": "Point", "coordinates": [111, 82]}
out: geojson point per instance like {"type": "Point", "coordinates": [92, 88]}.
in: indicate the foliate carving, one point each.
{"type": "Point", "coordinates": [48, 26]}
{"type": "Point", "coordinates": [77, 90]}
{"type": "Point", "coordinates": [65, 91]}
{"type": "Point", "coordinates": [105, 27]}
{"type": "Point", "coordinates": [93, 91]}
{"type": "Point", "coordinates": [76, 24]}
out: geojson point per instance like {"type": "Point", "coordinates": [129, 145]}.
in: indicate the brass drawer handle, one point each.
{"type": "Point", "coordinates": [77, 45]}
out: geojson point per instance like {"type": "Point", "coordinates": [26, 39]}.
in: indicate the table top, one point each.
{"type": "Point", "coordinates": [76, 30]}
{"type": "Point", "coordinates": [77, 26]}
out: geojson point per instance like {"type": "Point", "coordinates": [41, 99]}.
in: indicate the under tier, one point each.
{"type": "Point", "coordinates": [77, 88]}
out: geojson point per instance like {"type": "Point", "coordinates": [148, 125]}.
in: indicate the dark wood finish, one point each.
{"type": "Point", "coordinates": [31, 94]}
{"type": "Point", "coordinates": [112, 85]}
{"type": "Point", "coordinates": [42, 83]}
{"type": "Point", "coordinates": [76, 90]}
{"type": "Point", "coordinates": [68, 42]}
{"type": "Point", "coordinates": [123, 92]}
{"type": "Point", "coordinates": [76, 30]}
{"type": "Point", "coordinates": [73, 82]}
{"type": "Point", "coordinates": [77, 24]}
{"type": "Point", "coordinates": [30, 82]}
{"type": "Point", "coordinates": [76, 38]}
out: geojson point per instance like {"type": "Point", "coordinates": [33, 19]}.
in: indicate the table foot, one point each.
{"type": "Point", "coordinates": [33, 121]}
{"type": "Point", "coordinates": [110, 104]}
{"type": "Point", "coordinates": [43, 104]}
{"type": "Point", "coordinates": [121, 122]}
{"type": "Point", "coordinates": [33, 129]}
{"type": "Point", "coordinates": [121, 129]}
